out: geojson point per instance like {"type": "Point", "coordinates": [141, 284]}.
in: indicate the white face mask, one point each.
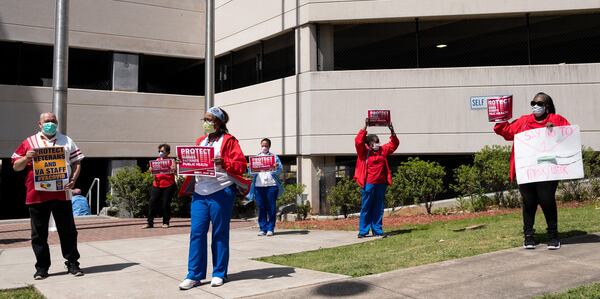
{"type": "Point", "coordinates": [376, 146]}
{"type": "Point", "coordinates": [264, 149]}
{"type": "Point", "coordinates": [538, 111]}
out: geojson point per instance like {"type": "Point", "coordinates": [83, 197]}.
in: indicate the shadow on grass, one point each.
{"type": "Point", "coordinates": [399, 232]}
{"type": "Point", "coordinates": [293, 232]}
{"type": "Point", "coordinates": [262, 274]}
{"type": "Point", "coordinates": [571, 237]}
{"type": "Point", "coordinates": [342, 289]}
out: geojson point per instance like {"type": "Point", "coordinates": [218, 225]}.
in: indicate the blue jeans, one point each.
{"type": "Point", "coordinates": [371, 210]}
{"type": "Point", "coordinates": [266, 200]}
{"type": "Point", "coordinates": [215, 208]}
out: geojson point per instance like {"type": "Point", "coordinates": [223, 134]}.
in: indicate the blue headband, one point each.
{"type": "Point", "coordinates": [216, 111]}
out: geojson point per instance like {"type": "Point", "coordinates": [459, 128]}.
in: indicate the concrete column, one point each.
{"type": "Point", "coordinates": [325, 49]}
{"type": "Point", "coordinates": [306, 58]}
{"type": "Point", "coordinates": [317, 173]}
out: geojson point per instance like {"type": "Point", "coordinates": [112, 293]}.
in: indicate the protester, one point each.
{"type": "Point", "coordinates": [373, 175]}
{"type": "Point", "coordinates": [265, 189]}
{"type": "Point", "coordinates": [212, 201]}
{"type": "Point", "coordinates": [542, 193]}
{"type": "Point", "coordinates": [42, 203]}
{"type": "Point", "coordinates": [79, 203]}
{"type": "Point", "coordinates": [163, 189]}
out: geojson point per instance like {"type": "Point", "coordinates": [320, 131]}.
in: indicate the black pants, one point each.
{"type": "Point", "coordinates": [67, 232]}
{"type": "Point", "coordinates": [160, 200]}
{"type": "Point", "coordinates": [542, 193]}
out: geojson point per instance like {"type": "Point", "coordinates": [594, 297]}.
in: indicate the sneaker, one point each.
{"type": "Point", "coordinates": [261, 234]}
{"type": "Point", "coordinates": [216, 282]}
{"type": "Point", "coordinates": [529, 242]}
{"type": "Point", "coordinates": [165, 226]}
{"type": "Point", "coordinates": [270, 234]}
{"type": "Point", "coordinates": [40, 274]}
{"type": "Point", "coordinates": [147, 225]}
{"type": "Point", "coordinates": [74, 269]}
{"type": "Point", "coordinates": [553, 243]}
{"type": "Point", "coordinates": [187, 284]}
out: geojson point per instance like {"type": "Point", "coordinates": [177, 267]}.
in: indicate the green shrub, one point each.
{"type": "Point", "coordinates": [180, 206]}
{"type": "Point", "coordinates": [579, 190]}
{"type": "Point", "coordinates": [493, 166]}
{"type": "Point", "coordinates": [303, 210]}
{"type": "Point", "coordinates": [418, 181]}
{"type": "Point", "coordinates": [131, 190]}
{"type": "Point", "coordinates": [292, 194]}
{"type": "Point", "coordinates": [344, 198]}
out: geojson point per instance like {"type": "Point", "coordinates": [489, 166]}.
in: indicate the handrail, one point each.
{"type": "Point", "coordinates": [87, 196]}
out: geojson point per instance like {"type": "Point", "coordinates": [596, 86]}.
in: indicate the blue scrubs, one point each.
{"type": "Point", "coordinates": [266, 199]}
{"type": "Point", "coordinates": [371, 210]}
{"type": "Point", "coordinates": [215, 208]}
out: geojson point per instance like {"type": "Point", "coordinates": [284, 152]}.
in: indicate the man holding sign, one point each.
{"type": "Point", "coordinates": [540, 192]}
{"type": "Point", "coordinates": [52, 161]}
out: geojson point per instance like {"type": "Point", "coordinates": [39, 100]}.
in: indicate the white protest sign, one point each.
{"type": "Point", "coordinates": [548, 154]}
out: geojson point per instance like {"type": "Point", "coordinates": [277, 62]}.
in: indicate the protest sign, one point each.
{"type": "Point", "coordinates": [499, 108]}
{"type": "Point", "coordinates": [379, 118]}
{"type": "Point", "coordinates": [50, 171]}
{"type": "Point", "coordinates": [548, 154]}
{"type": "Point", "coordinates": [196, 160]}
{"type": "Point", "coordinates": [164, 166]}
{"type": "Point", "coordinates": [262, 163]}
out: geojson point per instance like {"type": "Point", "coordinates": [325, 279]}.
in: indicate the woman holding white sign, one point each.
{"type": "Point", "coordinates": [542, 193]}
{"type": "Point", "coordinates": [266, 188]}
{"type": "Point", "coordinates": [212, 201]}
{"type": "Point", "coordinates": [163, 188]}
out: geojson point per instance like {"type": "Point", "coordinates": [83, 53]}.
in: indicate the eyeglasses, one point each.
{"type": "Point", "coordinates": [538, 103]}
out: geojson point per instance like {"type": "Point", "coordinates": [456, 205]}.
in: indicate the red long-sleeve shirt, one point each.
{"type": "Point", "coordinates": [524, 123]}
{"type": "Point", "coordinates": [372, 166]}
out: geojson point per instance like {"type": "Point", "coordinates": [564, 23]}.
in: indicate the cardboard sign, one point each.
{"type": "Point", "coordinates": [379, 118]}
{"type": "Point", "coordinates": [548, 154]}
{"type": "Point", "coordinates": [262, 163]}
{"type": "Point", "coordinates": [499, 108]}
{"type": "Point", "coordinates": [164, 166]}
{"type": "Point", "coordinates": [196, 160]}
{"type": "Point", "coordinates": [50, 171]}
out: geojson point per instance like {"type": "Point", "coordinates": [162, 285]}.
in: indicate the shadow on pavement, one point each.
{"type": "Point", "coordinates": [262, 274]}
{"type": "Point", "coordinates": [108, 268]}
{"type": "Point", "coordinates": [293, 232]}
{"type": "Point", "coordinates": [342, 289]}
{"type": "Point", "coordinates": [14, 240]}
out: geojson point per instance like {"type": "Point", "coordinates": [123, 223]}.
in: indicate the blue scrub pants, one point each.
{"type": "Point", "coordinates": [266, 199]}
{"type": "Point", "coordinates": [371, 210]}
{"type": "Point", "coordinates": [215, 208]}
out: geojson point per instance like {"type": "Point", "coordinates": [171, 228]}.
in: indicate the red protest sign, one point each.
{"type": "Point", "coordinates": [499, 108]}
{"type": "Point", "coordinates": [196, 160]}
{"type": "Point", "coordinates": [379, 118]}
{"type": "Point", "coordinates": [262, 163]}
{"type": "Point", "coordinates": [164, 166]}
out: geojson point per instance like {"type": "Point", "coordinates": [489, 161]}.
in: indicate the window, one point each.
{"type": "Point", "coordinates": [223, 72]}
{"type": "Point", "coordinates": [171, 75]}
{"type": "Point", "coordinates": [9, 72]}
{"type": "Point", "coordinates": [246, 66]}
{"type": "Point", "coordinates": [35, 65]}
{"type": "Point", "coordinates": [89, 69]}
{"type": "Point", "coordinates": [278, 58]}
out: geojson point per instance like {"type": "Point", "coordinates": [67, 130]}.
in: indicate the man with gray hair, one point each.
{"type": "Point", "coordinates": [47, 194]}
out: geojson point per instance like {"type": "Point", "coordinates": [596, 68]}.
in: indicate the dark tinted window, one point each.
{"type": "Point", "coordinates": [90, 69]}
{"type": "Point", "coordinates": [245, 66]}
{"type": "Point", "coordinates": [223, 73]}
{"type": "Point", "coordinates": [9, 53]}
{"type": "Point", "coordinates": [171, 75]}
{"type": "Point", "coordinates": [35, 65]}
{"type": "Point", "coordinates": [278, 58]}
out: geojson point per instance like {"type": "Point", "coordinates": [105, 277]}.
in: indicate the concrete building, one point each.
{"type": "Point", "coordinates": [301, 72]}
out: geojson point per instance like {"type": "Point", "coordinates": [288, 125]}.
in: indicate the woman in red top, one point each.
{"type": "Point", "coordinates": [373, 175]}
{"type": "Point", "coordinates": [542, 193]}
{"type": "Point", "coordinates": [162, 192]}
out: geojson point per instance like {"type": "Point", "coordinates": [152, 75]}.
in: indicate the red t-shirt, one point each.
{"type": "Point", "coordinates": [163, 180]}
{"type": "Point", "coordinates": [73, 154]}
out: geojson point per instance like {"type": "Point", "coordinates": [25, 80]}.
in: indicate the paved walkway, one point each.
{"type": "Point", "coordinates": [151, 267]}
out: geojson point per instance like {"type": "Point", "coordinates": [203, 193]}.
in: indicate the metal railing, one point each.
{"type": "Point", "coordinates": [96, 183]}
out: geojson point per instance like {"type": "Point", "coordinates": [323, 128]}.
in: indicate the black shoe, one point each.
{"type": "Point", "coordinates": [73, 268]}
{"type": "Point", "coordinates": [40, 274]}
{"type": "Point", "coordinates": [529, 242]}
{"type": "Point", "coordinates": [553, 243]}
{"type": "Point", "coordinates": [360, 236]}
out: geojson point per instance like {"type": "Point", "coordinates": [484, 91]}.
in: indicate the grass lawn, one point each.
{"type": "Point", "coordinates": [417, 244]}
{"type": "Point", "coordinates": [22, 293]}
{"type": "Point", "coordinates": [583, 292]}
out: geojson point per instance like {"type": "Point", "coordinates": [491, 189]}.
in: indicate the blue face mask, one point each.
{"type": "Point", "coordinates": [49, 129]}
{"type": "Point", "coordinates": [161, 154]}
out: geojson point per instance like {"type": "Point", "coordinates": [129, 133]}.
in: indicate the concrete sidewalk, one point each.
{"type": "Point", "coordinates": [153, 267]}
{"type": "Point", "coordinates": [513, 273]}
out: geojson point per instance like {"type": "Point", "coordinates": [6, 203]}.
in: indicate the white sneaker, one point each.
{"type": "Point", "coordinates": [216, 282]}
{"type": "Point", "coordinates": [261, 233]}
{"type": "Point", "coordinates": [270, 234]}
{"type": "Point", "coordinates": [187, 284]}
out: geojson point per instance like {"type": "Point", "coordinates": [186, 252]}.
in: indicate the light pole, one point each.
{"type": "Point", "coordinates": [61, 64]}
{"type": "Point", "coordinates": [209, 57]}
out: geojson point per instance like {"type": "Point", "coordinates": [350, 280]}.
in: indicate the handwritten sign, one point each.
{"type": "Point", "coordinates": [50, 171]}
{"type": "Point", "coordinates": [548, 154]}
{"type": "Point", "coordinates": [196, 160]}
{"type": "Point", "coordinates": [262, 163]}
{"type": "Point", "coordinates": [379, 118]}
{"type": "Point", "coordinates": [164, 166]}
{"type": "Point", "coordinates": [499, 108]}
